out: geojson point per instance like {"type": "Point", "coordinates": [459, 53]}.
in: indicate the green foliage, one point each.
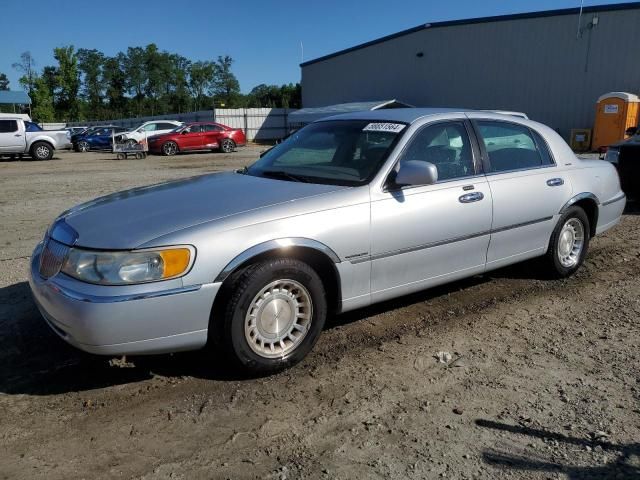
{"type": "Point", "coordinates": [68, 83]}
{"type": "Point", "coordinates": [4, 82]}
{"type": "Point", "coordinates": [88, 85]}
{"type": "Point", "coordinates": [43, 110]}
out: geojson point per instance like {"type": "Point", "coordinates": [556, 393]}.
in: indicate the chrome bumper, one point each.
{"type": "Point", "coordinates": [157, 318]}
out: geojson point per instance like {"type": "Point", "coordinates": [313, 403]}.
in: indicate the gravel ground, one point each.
{"type": "Point", "coordinates": [543, 381]}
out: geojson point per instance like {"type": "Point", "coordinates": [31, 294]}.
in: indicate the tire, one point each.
{"type": "Point", "coordinates": [250, 332]}
{"type": "Point", "coordinates": [83, 146]}
{"type": "Point", "coordinates": [41, 151]}
{"type": "Point", "coordinates": [131, 143]}
{"type": "Point", "coordinates": [121, 156]}
{"type": "Point", "coordinates": [169, 149]}
{"type": "Point", "coordinates": [568, 244]}
{"type": "Point", "coordinates": [227, 145]}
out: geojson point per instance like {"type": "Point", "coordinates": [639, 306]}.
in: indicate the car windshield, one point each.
{"type": "Point", "coordinates": [340, 152]}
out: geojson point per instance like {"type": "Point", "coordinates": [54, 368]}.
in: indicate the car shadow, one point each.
{"type": "Point", "coordinates": [33, 360]}
{"type": "Point", "coordinates": [633, 206]}
{"type": "Point", "coordinates": [625, 465]}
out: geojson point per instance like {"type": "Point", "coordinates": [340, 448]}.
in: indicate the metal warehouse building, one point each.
{"type": "Point", "coordinates": [552, 65]}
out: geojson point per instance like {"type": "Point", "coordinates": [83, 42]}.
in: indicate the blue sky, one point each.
{"type": "Point", "coordinates": [262, 36]}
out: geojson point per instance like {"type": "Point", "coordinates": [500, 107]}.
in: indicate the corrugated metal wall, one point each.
{"type": "Point", "coordinates": [534, 65]}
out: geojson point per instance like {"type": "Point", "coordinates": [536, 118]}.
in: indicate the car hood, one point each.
{"type": "Point", "coordinates": [128, 219]}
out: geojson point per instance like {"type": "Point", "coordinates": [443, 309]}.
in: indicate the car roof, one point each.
{"type": "Point", "coordinates": [410, 115]}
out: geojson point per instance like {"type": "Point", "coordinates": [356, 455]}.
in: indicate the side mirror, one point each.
{"type": "Point", "coordinates": [631, 131]}
{"type": "Point", "coordinates": [184, 132]}
{"type": "Point", "coordinates": [416, 172]}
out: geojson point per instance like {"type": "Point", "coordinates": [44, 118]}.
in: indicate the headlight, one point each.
{"type": "Point", "coordinates": [612, 155]}
{"type": "Point", "coordinates": [125, 268]}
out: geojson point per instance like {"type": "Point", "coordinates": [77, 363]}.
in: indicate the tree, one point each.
{"type": "Point", "coordinates": [4, 82]}
{"type": "Point", "coordinates": [26, 66]}
{"type": "Point", "coordinates": [42, 108]}
{"type": "Point", "coordinates": [90, 64]}
{"type": "Point", "coordinates": [226, 87]}
{"type": "Point", "coordinates": [115, 81]}
{"type": "Point", "coordinates": [201, 78]}
{"type": "Point", "coordinates": [68, 83]}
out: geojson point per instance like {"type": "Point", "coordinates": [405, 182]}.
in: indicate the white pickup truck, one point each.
{"type": "Point", "coordinates": [19, 136]}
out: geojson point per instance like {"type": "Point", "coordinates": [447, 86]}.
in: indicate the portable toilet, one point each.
{"type": "Point", "coordinates": [615, 113]}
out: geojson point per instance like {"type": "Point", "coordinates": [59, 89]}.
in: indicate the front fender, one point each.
{"type": "Point", "coordinates": [280, 244]}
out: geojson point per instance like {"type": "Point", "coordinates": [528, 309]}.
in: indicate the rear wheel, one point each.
{"type": "Point", "coordinates": [170, 148]}
{"type": "Point", "coordinates": [131, 143]}
{"type": "Point", "coordinates": [41, 151]}
{"type": "Point", "coordinates": [275, 315]}
{"type": "Point", "coordinates": [83, 146]}
{"type": "Point", "coordinates": [227, 145]}
{"type": "Point", "coordinates": [568, 244]}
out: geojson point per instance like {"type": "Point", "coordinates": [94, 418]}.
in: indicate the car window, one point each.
{"type": "Point", "coordinates": [211, 128]}
{"type": "Point", "coordinates": [149, 128]}
{"type": "Point", "coordinates": [447, 146]}
{"type": "Point", "coordinates": [511, 146]}
{"type": "Point", "coordinates": [7, 126]}
{"type": "Point", "coordinates": [193, 129]}
{"type": "Point", "coordinates": [165, 126]}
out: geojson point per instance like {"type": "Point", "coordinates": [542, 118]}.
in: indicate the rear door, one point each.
{"type": "Point", "coordinates": [211, 135]}
{"type": "Point", "coordinates": [11, 137]}
{"type": "Point", "coordinates": [527, 188]}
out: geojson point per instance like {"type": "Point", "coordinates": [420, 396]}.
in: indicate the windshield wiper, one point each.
{"type": "Point", "coordinates": [281, 174]}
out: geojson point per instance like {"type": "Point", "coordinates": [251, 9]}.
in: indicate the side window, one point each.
{"type": "Point", "coordinates": [194, 129]}
{"type": "Point", "coordinates": [8, 126]}
{"type": "Point", "coordinates": [211, 128]}
{"type": "Point", "coordinates": [511, 146]}
{"type": "Point", "coordinates": [166, 126]}
{"type": "Point", "coordinates": [150, 128]}
{"type": "Point", "coordinates": [447, 146]}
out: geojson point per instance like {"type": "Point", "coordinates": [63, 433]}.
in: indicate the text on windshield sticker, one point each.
{"type": "Point", "coordinates": [384, 127]}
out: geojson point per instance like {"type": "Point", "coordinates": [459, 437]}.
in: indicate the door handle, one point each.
{"type": "Point", "coordinates": [18, 135]}
{"type": "Point", "coordinates": [555, 182]}
{"type": "Point", "coordinates": [471, 197]}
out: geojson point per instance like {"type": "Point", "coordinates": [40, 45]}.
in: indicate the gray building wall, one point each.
{"type": "Point", "coordinates": [535, 65]}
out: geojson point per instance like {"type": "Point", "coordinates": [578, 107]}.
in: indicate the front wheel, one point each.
{"type": "Point", "coordinates": [83, 146]}
{"type": "Point", "coordinates": [568, 244]}
{"type": "Point", "coordinates": [275, 315]}
{"type": "Point", "coordinates": [41, 151]}
{"type": "Point", "coordinates": [227, 145]}
{"type": "Point", "coordinates": [131, 143]}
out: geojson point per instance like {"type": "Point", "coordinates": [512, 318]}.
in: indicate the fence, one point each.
{"type": "Point", "coordinates": [258, 124]}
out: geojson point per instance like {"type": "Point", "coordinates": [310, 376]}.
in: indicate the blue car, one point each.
{"type": "Point", "coordinates": [97, 139]}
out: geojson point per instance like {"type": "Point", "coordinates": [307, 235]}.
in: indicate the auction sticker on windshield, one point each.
{"type": "Point", "coordinates": [384, 127]}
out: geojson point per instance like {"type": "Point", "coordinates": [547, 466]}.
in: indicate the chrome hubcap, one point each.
{"type": "Point", "coordinates": [169, 149]}
{"type": "Point", "coordinates": [42, 152]}
{"type": "Point", "coordinates": [227, 146]}
{"type": "Point", "coordinates": [278, 318]}
{"type": "Point", "coordinates": [84, 147]}
{"type": "Point", "coordinates": [570, 243]}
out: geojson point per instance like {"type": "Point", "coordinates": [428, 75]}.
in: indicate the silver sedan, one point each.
{"type": "Point", "coordinates": [348, 211]}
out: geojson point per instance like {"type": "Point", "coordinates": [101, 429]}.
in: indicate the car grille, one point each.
{"type": "Point", "coordinates": [51, 258]}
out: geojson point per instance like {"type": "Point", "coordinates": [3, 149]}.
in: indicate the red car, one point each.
{"type": "Point", "coordinates": [198, 136]}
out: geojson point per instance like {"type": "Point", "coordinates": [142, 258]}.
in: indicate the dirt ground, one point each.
{"type": "Point", "coordinates": [544, 379]}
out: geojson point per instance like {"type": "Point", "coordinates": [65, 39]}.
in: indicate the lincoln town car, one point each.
{"type": "Point", "coordinates": [348, 211]}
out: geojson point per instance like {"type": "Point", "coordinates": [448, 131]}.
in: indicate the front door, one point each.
{"type": "Point", "coordinates": [11, 137]}
{"type": "Point", "coordinates": [191, 138]}
{"type": "Point", "coordinates": [431, 234]}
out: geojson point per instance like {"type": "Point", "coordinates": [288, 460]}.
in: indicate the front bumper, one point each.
{"type": "Point", "coordinates": [140, 319]}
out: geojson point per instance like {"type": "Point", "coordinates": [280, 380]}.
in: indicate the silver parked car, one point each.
{"type": "Point", "coordinates": [348, 211]}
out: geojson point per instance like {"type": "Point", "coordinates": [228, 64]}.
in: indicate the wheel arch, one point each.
{"type": "Point", "coordinates": [590, 204]}
{"type": "Point", "coordinates": [316, 254]}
